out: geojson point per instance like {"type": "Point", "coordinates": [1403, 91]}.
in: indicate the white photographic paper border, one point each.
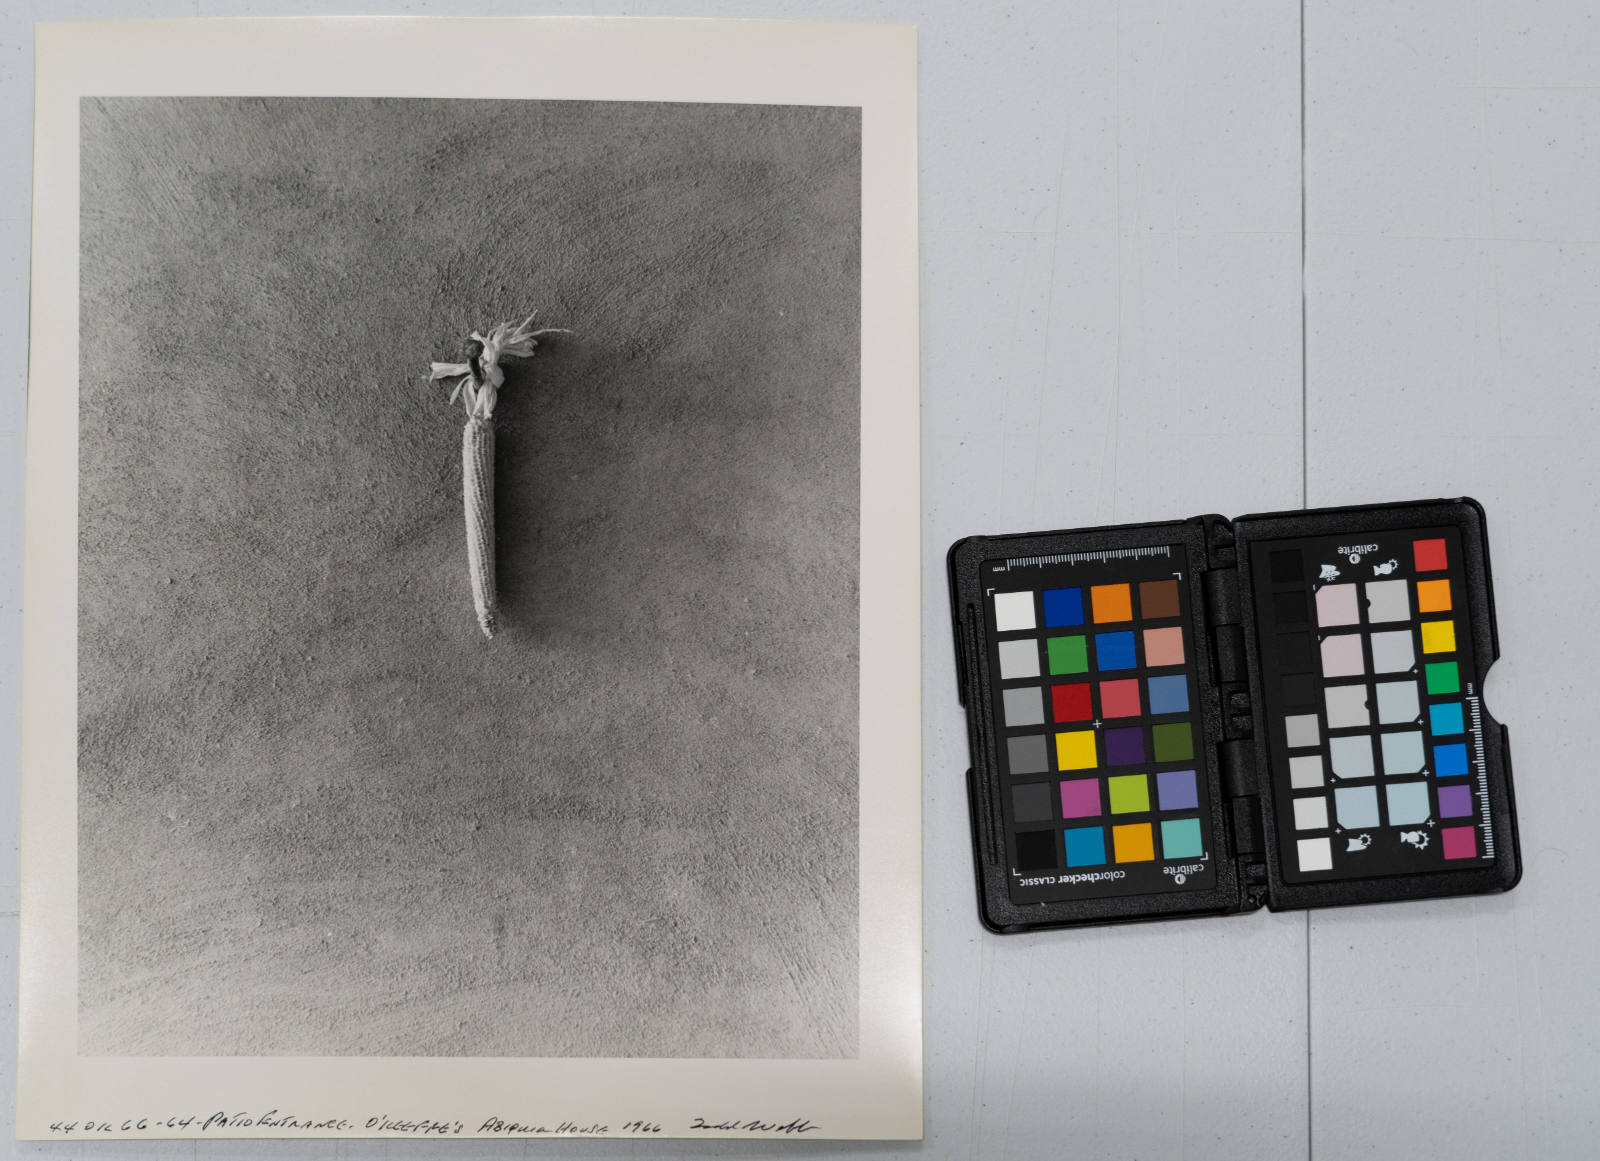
{"type": "Point", "coordinates": [878, 1094]}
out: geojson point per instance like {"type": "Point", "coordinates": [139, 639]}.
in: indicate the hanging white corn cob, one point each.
{"type": "Point", "coordinates": [478, 383]}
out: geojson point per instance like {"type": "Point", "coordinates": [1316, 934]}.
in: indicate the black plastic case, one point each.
{"type": "Point", "coordinates": [1230, 712]}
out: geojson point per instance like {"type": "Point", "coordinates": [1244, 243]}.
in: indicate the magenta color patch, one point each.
{"type": "Point", "coordinates": [1080, 798]}
{"type": "Point", "coordinates": [1455, 801]}
{"type": "Point", "coordinates": [1460, 842]}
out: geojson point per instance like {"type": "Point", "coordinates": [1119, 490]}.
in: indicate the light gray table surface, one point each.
{"type": "Point", "coordinates": [1181, 258]}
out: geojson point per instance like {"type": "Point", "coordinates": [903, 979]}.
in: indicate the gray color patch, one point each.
{"type": "Point", "coordinates": [1027, 754]}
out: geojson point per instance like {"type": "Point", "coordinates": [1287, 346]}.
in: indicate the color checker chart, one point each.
{"type": "Point", "coordinates": [1105, 789]}
{"type": "Point", "coordinates": [1366, 662]}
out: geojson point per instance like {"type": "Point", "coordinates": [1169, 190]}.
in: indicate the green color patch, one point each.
{"type": "Point", "coordinates": [1130, 793]}
{"type": "Point", "coordinates": [1443, 677]}
{"type": "Point", "coordinates": [1173, 742]}
{"type": "Point", "coordinates": [1068, 654]}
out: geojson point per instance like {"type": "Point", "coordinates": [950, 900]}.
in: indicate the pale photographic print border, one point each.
{"type": "Point", "coordinates": [877, 1094]}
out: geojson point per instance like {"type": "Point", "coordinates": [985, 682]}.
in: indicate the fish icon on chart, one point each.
{"type": "Point", "coordinates": [1415, 838]}
{"type": "Point", "coordinates": [1385, 568]}
{"type": "Point", "coordinates": [1358, 842]}
{"type": "Point", "coordinates": [1329, 572]}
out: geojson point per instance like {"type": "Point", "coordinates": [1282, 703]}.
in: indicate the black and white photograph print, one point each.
{"type": "Point", "coordinates": [399, 736]}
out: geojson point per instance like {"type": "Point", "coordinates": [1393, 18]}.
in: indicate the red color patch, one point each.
{"type": "Point", "coordinates": [1120, 699]}
{"type": "Point", "coordinates": [1070, 703]}
{"type": "Point", "coordinates": [1430, 555]}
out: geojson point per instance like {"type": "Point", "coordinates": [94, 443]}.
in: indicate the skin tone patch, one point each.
{"type": "Point", "coordinates": [1163, 646]}
{"type": "Point", "coordinates": [1158, 599]}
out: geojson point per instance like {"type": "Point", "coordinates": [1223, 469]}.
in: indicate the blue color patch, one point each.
{"type": "Point", "coordinates": [1445, 718]}
{"type": "Point", "coordinates": [1169, 695]}
{"type": "Point", "coordinates": [1114, 651]}
{"type": "Point", "coordinates": [1449, 761]}
{"type": "Point", "coordinates": [1063, 607]}
{"type": "Point", "coordinates": [1086, 846]}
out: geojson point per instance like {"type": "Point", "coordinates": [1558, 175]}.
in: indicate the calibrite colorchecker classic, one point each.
{"type": "Point", "coordinates": [1211, 716]}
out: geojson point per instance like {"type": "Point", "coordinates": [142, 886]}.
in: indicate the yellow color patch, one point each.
{"type": "Point", "coordinates": [1438, 636]}
{"type": "Point", "coordinates": [1111, 602]}
{"type": "Point", "coordinates": [1132, 843]}
{"type": "Point", "coordinates": [1075, 750]}
{"type": "Point", "coordinates": [1433, 596]}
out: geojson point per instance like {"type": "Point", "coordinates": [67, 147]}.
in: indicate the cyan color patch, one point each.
{"type": "Point", "coordinates": [1445, 718]}
{"type": "Point", "coordinates": [1086, 846]}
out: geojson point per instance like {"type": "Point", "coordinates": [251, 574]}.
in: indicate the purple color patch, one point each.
{"type": "Point", "coordinates": [1175, 790]}
{"type": "Point", "coordinates": [1080, 798]}
{"type": "Point", "coordinates": [1125, 747]}
{"type": "Point", "coordinates": [1455, 801]}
